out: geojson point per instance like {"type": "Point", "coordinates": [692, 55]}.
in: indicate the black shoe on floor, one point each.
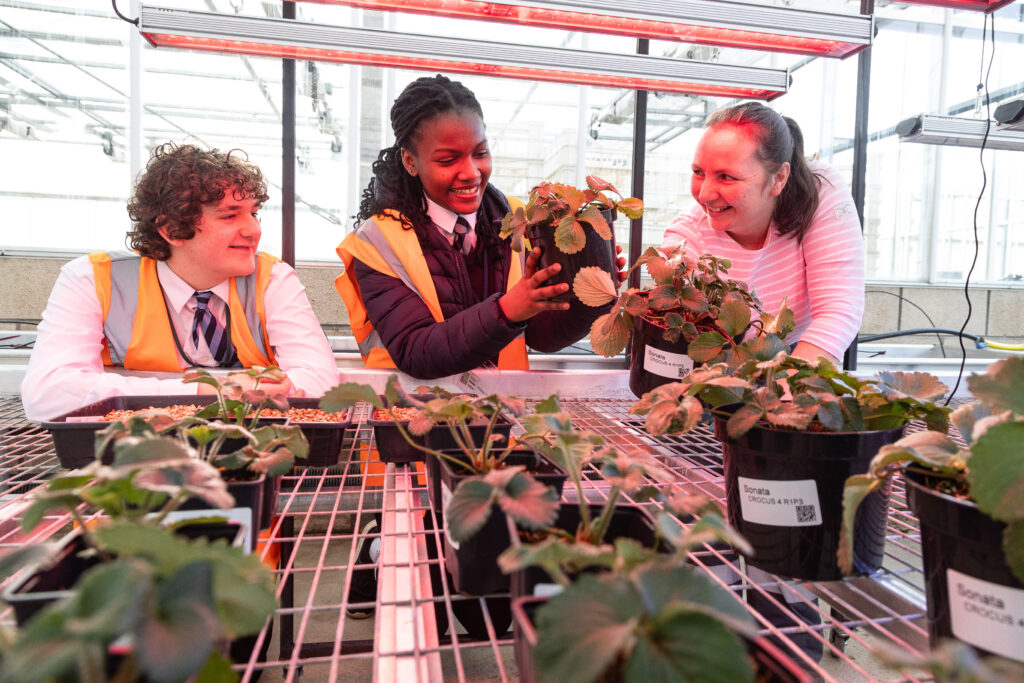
{"type": "Point", "coordinates": [363, 586]}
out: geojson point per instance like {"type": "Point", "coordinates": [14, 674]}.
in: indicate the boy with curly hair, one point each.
{"type": "Point", "coordinates": [195, 292]}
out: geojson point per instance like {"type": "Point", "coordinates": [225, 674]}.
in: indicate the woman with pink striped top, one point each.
{"type": "Point", "coordinates": [789, 227]}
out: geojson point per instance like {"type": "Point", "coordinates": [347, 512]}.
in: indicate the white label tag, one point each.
{"type": "Point", "coordinates": [446, 496]}
{"type": "Point", "coordinates": [986, 614]}
{"type": "Point", "coordinates": [666, 364]}
{"type": "Point", "coordinates": [546, 590]}
{"type": "Point", "coordinates": [779, 503]}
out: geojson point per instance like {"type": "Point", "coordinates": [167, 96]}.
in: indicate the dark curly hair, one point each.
{"type": "Point", "coordinates": [391, 186]}
{"type": "Point", "coordinates": [176, 184]}
{"type": "Point", "coordinates": [779, 140]}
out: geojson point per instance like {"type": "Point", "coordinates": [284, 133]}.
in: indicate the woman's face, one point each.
{"type": "Point", "coordinates": [734, 188]}
{"type": "Point", "coordinates": [451, 158]}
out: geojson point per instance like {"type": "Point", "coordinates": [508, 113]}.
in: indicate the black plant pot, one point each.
{"type": "Point", "coordinates": [74, 433]}
{"type": "Point", "coordinates": [972, 594]}
{"type": "Point", "coordinates": [626, 522]}
{"type": "Point", "coordinates": [596, 252]}
{"type": "Point", "coordinates": [324, 438]}
{"type": "Point", "coordinates": [252, 494]}
{"type": "Point", "coordinates": [771, 664]}
{"type": "Point", "coordinates": [473, 564]}
{"type": "Point", "coordinates": [392, 446]}
{"type": "Point", "coordinates": [654, 360]}
{"type": "Point", "coordinates": [784, 494]}
{"type": "Point", "coordinates": [440, 439]}
{"type": "Point", "coordinates": [54, 578]}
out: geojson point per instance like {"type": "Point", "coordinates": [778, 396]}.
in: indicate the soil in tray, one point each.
{"type": "Point", "coordinates": [180, 411]}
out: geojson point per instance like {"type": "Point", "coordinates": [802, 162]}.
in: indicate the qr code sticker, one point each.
{"type": "Point", "coordinates": [806, 513]}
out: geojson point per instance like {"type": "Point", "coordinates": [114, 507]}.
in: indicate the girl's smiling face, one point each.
{"type": "Point", "coordinates": [450, 157]}
{"type": "Point", "coordinates": [733, 186]}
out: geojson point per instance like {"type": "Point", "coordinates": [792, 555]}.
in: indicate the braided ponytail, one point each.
{"type": "Point", "coordinates": [779, 140]}
{"type": "Point", "coordinates": [392, 187]}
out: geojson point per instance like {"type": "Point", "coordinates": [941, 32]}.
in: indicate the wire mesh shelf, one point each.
{"type": "Point", "coordinates": [421, 630]}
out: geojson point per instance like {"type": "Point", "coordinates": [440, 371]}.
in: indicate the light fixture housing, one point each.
{"type": "Point", "coordinates": [932, 129]}
{"type": "Point", "coordinates": [982, 5]}
{"type": "Point", "coordinates": [1010, 115]}
{"type": "Point", "coordinates": [288, 38]}
{"type": "Point", "coordinates": [706, 22]}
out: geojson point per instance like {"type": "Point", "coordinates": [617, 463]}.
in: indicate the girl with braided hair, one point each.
{"type": "Point", "coordinates": [430, 287]}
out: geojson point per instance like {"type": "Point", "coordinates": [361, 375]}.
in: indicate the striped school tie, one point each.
{"type": "Point", "coordinates": [217, 338]}
{"type": "Point", "coordinates": [461, 228]}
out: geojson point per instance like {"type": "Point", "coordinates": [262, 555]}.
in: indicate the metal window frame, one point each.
{"type": "Point", "coordinates": [707, 22]}
{"type": "Point", "coordinates": [302, 40]}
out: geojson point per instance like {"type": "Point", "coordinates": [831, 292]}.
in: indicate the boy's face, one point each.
{"type": "Point", "coordinates": [224, 244]}
{"type": "Point", "coordinates": [452, 160]}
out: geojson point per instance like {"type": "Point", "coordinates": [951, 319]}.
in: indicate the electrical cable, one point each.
{"type": "Point", "coordinates": [927, 317]}
{"type": "Point", "coordinates": [990, 23]}
{"type": "Point", "coordinates": [134, 22]}
{"type": "Point", "coordinates": [979, 341]}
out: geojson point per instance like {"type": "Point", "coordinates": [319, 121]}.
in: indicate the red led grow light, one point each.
{"type": "Point", "coordinates": [431, 64]}
{"type": "Point", "coordinates": [793, 40]}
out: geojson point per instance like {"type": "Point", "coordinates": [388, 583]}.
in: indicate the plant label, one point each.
{"type": "Point", "coordinates": [779, 503]}
{"type": "Point", "coordinates": [986, 614]}
{"type": "Point", "coordinates": [666, 363]}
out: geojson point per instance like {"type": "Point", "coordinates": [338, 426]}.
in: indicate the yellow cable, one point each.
{"type": "Point", "coordinates": [1004, 347]}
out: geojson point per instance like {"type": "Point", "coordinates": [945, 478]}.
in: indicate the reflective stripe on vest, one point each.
{"type": "Point", "coordinates": [137, 331]}
{"type": "Point", "coordinates": [384, 245]}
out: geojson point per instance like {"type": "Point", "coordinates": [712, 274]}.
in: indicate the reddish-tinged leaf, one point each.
{"type": "Point", "coordinates": [734, 317]}
{"type": "Point", "coordinates": [659, 268]}
{"type": "Point", "coordinates": [529, 502]}
{"type": "Point", "coordinates": [1002, 386]}
{"type": "Point", "coordinates": [593, 216]}
{"type": "Point", "coordinates": [692, 299]}
{"type": "Point", "coordinates": [420, 424]}
{"type": "Point", "coordinates": [594, 287]}
{"type": "Point", "coordinates": [663, 297]}
{"type": "Point", "coordinates": [600, 185]}
{"type": "Point", "coordinates": [469, 508]}
{"type": "Point", "coordinates": [569, 236]}
{"type": "Point", "coordinates": [609, 334]}
{"type": "Point", "coordinates": [856, 490]}
{"type": "Point", "coordinates": [919, 385]}
{"type": "Point", "coordinates": [742, 420]}
{"type": "Point", "coordinates": [633, 303]}
{"type": "Point", "coordinates": [631, 207]}
{"type": "Point", "coordinates": [660, 417]}
{"type": "Point", "coordinates": [705, 347]}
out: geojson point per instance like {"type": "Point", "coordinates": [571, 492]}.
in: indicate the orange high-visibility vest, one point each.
{"type": "Point", "coordinates": [384, 245]}
{"type": "Point", "coordinates": [137, 331]}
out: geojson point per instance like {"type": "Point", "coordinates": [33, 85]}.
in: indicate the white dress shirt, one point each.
{"type": "Point", "coordinates": [445, 220]}
{"type": "Point", "coordinates": [66, 369]}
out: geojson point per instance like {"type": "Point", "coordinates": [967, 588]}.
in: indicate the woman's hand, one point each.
{"type": "Point", "coordinates": [529, 296]}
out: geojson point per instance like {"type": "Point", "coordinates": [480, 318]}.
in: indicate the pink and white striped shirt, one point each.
{"type": "Point", "coordinates": [822, 277]}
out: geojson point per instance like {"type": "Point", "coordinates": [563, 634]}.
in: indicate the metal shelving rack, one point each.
{"type": "Point", "coordinates": [322, 510]}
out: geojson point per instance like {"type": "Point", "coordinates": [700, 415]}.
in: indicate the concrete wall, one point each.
{"type": "Point", "coordinates": [997, 313]}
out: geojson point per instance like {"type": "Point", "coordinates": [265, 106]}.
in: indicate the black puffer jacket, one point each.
{"type": "Point", "coordinates": [474, 329]}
